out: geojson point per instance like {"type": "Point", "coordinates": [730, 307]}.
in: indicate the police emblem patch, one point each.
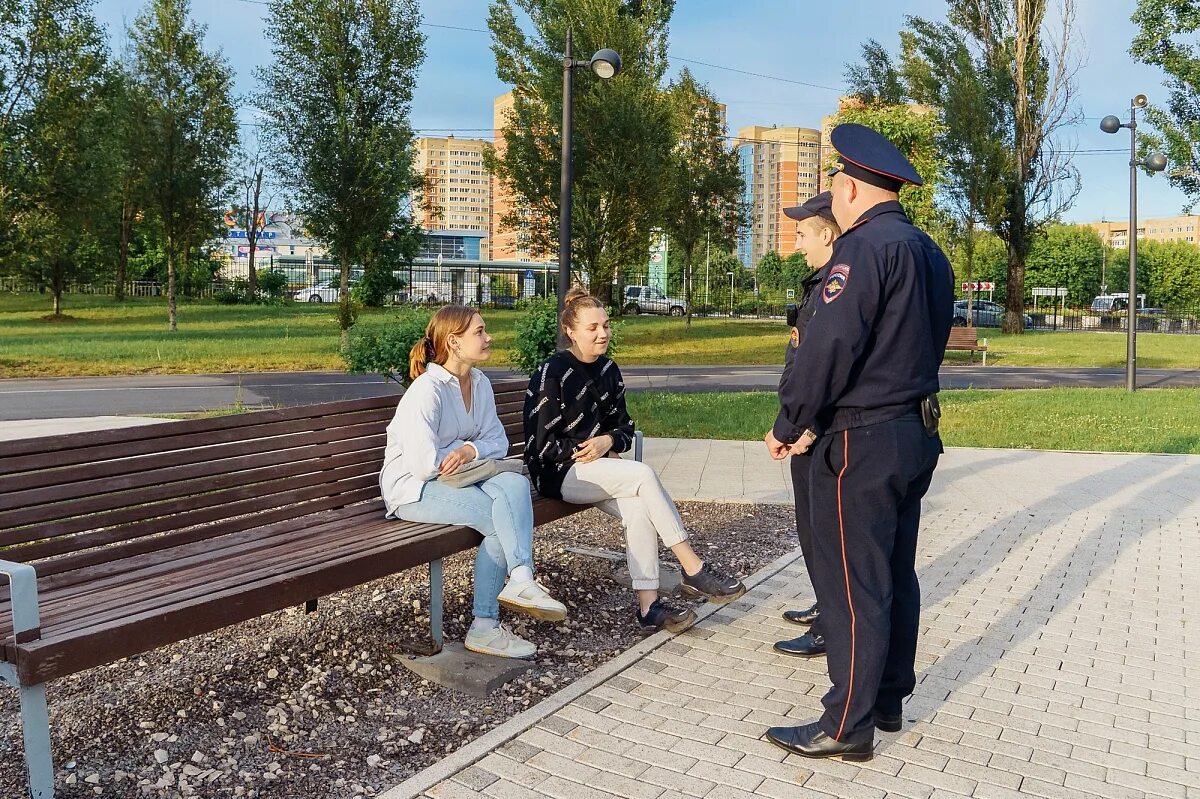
{"type": "Point", "coordinates": [835, 284]}
{"type": "Point", "coordinates": [795, 338]}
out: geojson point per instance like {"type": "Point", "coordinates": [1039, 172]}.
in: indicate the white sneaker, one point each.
{"type": "Point", "coordinates": [530, 598]}
{"type": "Point", "coordinates": [499, 641]}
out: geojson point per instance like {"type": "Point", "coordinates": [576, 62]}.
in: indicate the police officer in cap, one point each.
{"type": "Point", "coordinates": [815, 236]}
{"type": "Point", "coordinates": [863, 387]}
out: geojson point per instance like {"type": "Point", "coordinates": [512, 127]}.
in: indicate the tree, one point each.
{"type": "Point", "coordinates": [192, 129]}
{"type": "Point", "coordinates": [1070, 257]}
{"type": "Point", "coordinates": [1168, 274]}
{"type": "Point", "coordinates": [64, 167]}
{"type": "Point", "coordinates": [621, 145]}
{"type": "Point", "coordinates": [131, 141]}
{"type": "Point", "coordinates": [703, 182]}
{"type": "Point", "coordinates": [1166, 38]}
{"type": "Point", "coordinates": [250, 210]}
{"type": "Point", "coordinates": [341, 84]}
{"type": "Point", "coordinates": [1004, 85]}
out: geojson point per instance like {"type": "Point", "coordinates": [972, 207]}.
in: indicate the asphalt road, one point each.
{"type": "Point", "coordinates": [158, 394]}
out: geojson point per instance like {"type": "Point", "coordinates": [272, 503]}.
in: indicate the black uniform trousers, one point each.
{"type": "Point", "coordinates": [801, 467]}
{"type": "Point", "coordinates": [866, 490]}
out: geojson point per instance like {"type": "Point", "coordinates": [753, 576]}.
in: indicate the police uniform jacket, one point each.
{"type": "Point", "coordinates": [877, 332]}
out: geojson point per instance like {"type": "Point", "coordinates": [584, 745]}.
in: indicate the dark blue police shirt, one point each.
{"type": "Point", "coordinates": [878, 330]}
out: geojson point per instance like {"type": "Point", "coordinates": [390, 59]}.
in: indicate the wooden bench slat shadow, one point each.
{"type": "Point", "coordinates": [966, 339]}
{"type": "Point", "coordinates": [119, 541]}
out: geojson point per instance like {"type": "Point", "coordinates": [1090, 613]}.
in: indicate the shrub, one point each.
{"type": "Point", "coordinates": [383, 348]}
{"type": "Point", "coordinates": [537, 334]}
{"type": "Point", "coordinates": [272, 287]}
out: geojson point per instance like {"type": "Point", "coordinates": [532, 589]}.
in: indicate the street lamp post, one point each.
{"type": "Point", "coordinates": [604, 64]}
{"type": "Point", "coordinates": [1155, 162]}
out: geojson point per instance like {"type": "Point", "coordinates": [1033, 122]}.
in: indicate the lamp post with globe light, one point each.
{"type": "Point", "coordinates": [1155, 162]}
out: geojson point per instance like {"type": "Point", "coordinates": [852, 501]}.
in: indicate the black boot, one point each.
{"type": "Point", "coordinates": [805, 617]}
{"type": "Point", "coordinates": [809, 645]}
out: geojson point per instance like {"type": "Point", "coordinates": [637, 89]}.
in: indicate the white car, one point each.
{"type": "Point", "coordinates": [322, 292]}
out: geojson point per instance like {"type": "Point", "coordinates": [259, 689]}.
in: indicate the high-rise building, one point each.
{"type": "Point", "coordinates": [780, 168]}
{"type": "Point", "coordinates": [1184, 227]}
{"type": "Point", "coordinates": [508, 244]}
{"type": "Point", "coordinates": [459, 192]}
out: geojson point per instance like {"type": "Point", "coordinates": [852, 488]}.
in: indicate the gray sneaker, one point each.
{"type": "Point", "coordinates": [715, 588]}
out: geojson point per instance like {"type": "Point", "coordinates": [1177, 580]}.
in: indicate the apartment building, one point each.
{"type": "Point", "coordinates": [780, 168]}
{"type": "Point", "coordinates": [459, 189]}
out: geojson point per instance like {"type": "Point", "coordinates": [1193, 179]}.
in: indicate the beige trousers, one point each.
{"type": "Point", "coordinates": [630, 491]}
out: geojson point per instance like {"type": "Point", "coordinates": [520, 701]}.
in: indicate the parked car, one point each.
{"type": "Point", "coordinates": [984, 313]}
{"type": "Point", "coordinates": [648, 299]}
{"type": "Point", "coordinates": [326, 291]}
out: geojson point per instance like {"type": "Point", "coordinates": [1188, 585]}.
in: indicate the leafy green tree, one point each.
{"type": "Point", "coordinates": [1168, 273]}
{"type": "Point", "coordinates": [340, 84]}
{"type": "Point", "coordinates": [1067, 256]}
{"type": "Point", "coordinates": [131, 139]}
{"type": "Point", "coordinates": [703, 182]}
{"type": "Point", "coordinates": [65, 165]}
{"type": "Point", "coordinates": [192, 130]}
{"type": "Point", "coordinates": [770, 270]}
{"type": "Point", "coordinates": [621, 146]}
{"type": "Point", "coordinates": [1166, 38]}
{"type": "Point", "coordinates": [1003, 87]}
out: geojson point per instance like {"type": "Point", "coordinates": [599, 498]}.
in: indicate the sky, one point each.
{"type": "Point", "coordinates": [800, 41]}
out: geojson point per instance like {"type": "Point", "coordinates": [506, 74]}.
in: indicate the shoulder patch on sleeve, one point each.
{"type": "Point", "coordinates": [835, 284]}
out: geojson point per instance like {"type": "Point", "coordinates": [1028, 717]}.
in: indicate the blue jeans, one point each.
{"type": "Point", "coordinates": [501, 509]}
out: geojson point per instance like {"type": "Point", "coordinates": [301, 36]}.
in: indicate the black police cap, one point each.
{"type": "Point", "coordinates": [867, 155]}
{"type": "Point", "coordinates": [821, 205]}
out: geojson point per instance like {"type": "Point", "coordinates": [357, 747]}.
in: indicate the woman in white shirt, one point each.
{"type": "Point", "coordinates": [445, 420]}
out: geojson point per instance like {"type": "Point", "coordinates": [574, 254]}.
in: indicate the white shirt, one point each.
{"type": "Point", "coordinates": [432, 421]}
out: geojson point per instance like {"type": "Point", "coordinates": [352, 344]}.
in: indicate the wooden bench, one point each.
{"type": "Point", "coordinates": [965, 338]}
{"type": "Point", "coordinates": [120, 541]}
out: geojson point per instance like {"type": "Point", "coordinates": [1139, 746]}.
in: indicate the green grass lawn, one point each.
{"type": "Point", "coordinates": [101, 337]}
{"type": "Point", "coordinates": [1109, 420]}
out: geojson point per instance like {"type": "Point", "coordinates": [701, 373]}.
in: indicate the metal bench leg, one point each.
{"type": "Point", "coordinates": [35, 720]}
{"type": "Point", "coordinates": [35, 717]}
{"type": "Point", "coordinates": [310, 606]}
{"type": "Point", "coordinates": [637, 445]}
{"type": "Point", "coordinates": [436, 590]}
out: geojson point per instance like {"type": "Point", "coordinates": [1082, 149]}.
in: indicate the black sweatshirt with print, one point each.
{"type": "Point", "coordinates": [567, 403]}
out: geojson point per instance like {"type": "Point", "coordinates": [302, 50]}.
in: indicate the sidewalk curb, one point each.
{"type": "Point", "coordinates": [475, 751]}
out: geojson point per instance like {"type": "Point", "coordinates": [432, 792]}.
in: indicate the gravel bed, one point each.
{"type": "Point", "coordinates": [317, 705]}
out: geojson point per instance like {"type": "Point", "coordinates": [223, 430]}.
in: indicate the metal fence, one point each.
{"type": "Point", "coordinates": [133, 288]}
{"type": "Point", "coordinates": [1158, 320]}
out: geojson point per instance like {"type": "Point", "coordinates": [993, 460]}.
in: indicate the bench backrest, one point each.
{"type": "Point", "coordinates": [963, 337]}
{"type": "Point", "coordinates": [75, 501]}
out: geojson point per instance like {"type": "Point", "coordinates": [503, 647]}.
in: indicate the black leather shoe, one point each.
{"type": "Point", "coordinates": [810, 740]}
{"type": "Point", "coordinates": [808, 645]}
{"type": "Point", "coordinates": [805, 617]}
{"type": "Point", "coordinates": [888, 722]}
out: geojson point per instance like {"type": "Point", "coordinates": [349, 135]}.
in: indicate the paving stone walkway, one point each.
{"type": "Point", "coordinates": [1058, 654]}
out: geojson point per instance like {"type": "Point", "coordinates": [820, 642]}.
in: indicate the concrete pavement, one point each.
{"type": "Point", "coordinates": [1057, 655]}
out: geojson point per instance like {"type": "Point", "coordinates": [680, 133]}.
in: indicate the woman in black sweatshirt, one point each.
{"type": "Point", "coordinates": [575, 426]}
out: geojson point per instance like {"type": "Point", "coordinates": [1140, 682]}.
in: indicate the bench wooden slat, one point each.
{"type": "Point", "coordinates": [51, 520]}
{"type": "Point", "coordinates": [210, 462]}
{"type": "Point", "coordinates": [55, 451]}
{"type": "Point", "coordinates": [180, 457]}
{"type": "Point", "coordinates": [114, 526]}
{"type": "Point", "coordinates": [175, 564]}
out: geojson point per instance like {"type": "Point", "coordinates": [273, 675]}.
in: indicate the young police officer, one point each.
{"type": "Point", "coordinates": [814, 239]}
{"type": "Point", "coordinates": [863, 386]}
